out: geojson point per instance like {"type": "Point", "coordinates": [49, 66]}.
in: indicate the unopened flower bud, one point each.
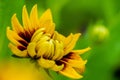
{"type": "Point", "coordinates": [99, 33]}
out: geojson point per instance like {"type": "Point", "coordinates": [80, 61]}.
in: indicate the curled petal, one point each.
{"type": "Point", "coordinates": [44, 50]}
{"type": "Point", "coordinates": [37, 37]}
{"type": "Point", "coordinates": [70, 72]}
{"type": "Point", "coordinates": [41, 41]}
{"type": "Point", "coordinates": [48, 50]}
{"type": "Point", "coordinates": [31, 49]}
{"type": "Point", "coordinates": [46, 63]}
{"type": "Point", "coordinates": [17, 52]}
{"type": "Point", "coordinates": [52, 47]}
{"type": "Point", "coordinates": [38, 32]}
{"type": "Point", "coordinates": [58, 51]}
{"type": "Point", "coordinates": [57, 67]}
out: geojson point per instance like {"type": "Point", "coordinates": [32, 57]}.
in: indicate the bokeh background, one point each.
{"type": "Point", "coordinates": [97, 20]}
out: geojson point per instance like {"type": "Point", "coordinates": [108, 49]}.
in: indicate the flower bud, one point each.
{"type": "Point", "coordinates": [99, 33]}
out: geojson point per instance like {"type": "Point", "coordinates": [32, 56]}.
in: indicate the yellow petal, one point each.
{"type": "Point", "coordinates": [16, 25]}
{"type": "Point", "coordinates": [75, 56]}
{"type": "Point", "coordinates": [44, 50]}
{"type": "Point", "coordinates": [34, 17]}
{"type": "Point", "coordinates": [81, 69]}
{"type": "Point", "coordinates": [43, 40]}
{"type": "Point", "coordinates": [45, 63]}
{"type": "Point", "coordinates": [47, 16]}
{"type": "Point", "coordinates": [81, 51]}
{"type": "Point", "coordinates": [47, 49]}
{"type": "Point", "coordinates": [76, 63]}
{"type": "Point", "coordinates": [68, 39]}
{"type": "Point", "coordinates": [70, 72]}
{"type": "Point", "coordinates": [31, 49]}
{"type": "Point", "coordinates": [17, 52]}
{"type": "Point", "coordinates": [72, 43]}
{"type": "Point", "coordinates": [74, 60]}
{"type": "Point", "coordinates": [58, 36]}
{"type": "Point", "coordinates": [52, 48]}
{"type": "Point", "coordinates": [57, 67]}
{"type": "Point", "coordinates": [58, 51]}
{"type": "Point", "coordinates": [49, 26]}
{"type": "Point", "coordinates": [14, 38]}
{"type": "Point", "coordinates": [46, 21]}
{"type": "Point", "coordinates": [37, 32]}
{"type": "Point", "coordinates": [37, 37]}
{"type": "Point", "coordinates": [26, 21]}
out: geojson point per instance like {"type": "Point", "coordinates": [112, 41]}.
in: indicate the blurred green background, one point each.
{"type": "Point", "coordinates": [97, 20]}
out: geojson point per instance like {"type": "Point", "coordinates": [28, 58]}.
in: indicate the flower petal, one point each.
{"type": "Point", "coordinates": [16, 25]}
{"type": "Point", "coordinates": [34, 17]}
{"type": "Point", "coordinates": [58, 51]}
{"type": "Point", "coordinates": [70, 72]}
{"type": "Point", "coordinates": [47, 16]}
{"type": "Point", "coordinates": [45, 63]}
{"type": "Point", "coordinates": [81, 51]}
{"type": "Point", "coordinates": [26, 20]}
{"type": "Point", "coordinates": [49, 27]}
{"type": "Point", "coordinates": [68, 39]}
{"type": "Point", "coordinates": [52, 47]}
{"type": "Point", "coordinates": [74, 60]}
{"type": "Point", "coordinates": [76, 63]}
{"type": "Point", "coordinates": [37, 32]}
{"type": "Point", "coordinates": [31, 49]}
{"type": "Point", "coordinates": [80, 70]}
{"type": "Point", "coordinates": [72, 43]}
{"type": "Point", "coordinates": [57, 67]}
{"type": "Point", "coordinates": [58, 36]}
{"type": "Point", "coordinates": [44, 50]}
{"type": "Point", "coordinates": [46, 22]}
{"type": "Point", "coordinates": [17, 52]}
{"type": "Point", "coordinates": [37, 37]}
{"type": "Point", "coordinates": [73, 56]}
{"type": "Point", "coordinates": [14, 38]}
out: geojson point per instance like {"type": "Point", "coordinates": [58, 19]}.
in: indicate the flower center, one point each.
{"type": "Point", "coordinates": [45, 46]}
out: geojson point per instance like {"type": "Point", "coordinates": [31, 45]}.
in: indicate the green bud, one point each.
{"type": "Point", "coordinates": [99, 33]}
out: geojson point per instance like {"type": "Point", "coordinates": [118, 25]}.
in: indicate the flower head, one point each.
{"type": "Point", "coordinates": [37, 39]}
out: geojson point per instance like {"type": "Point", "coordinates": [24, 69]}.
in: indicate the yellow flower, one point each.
{"type": "Point", "coordinates": [37, 39]}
